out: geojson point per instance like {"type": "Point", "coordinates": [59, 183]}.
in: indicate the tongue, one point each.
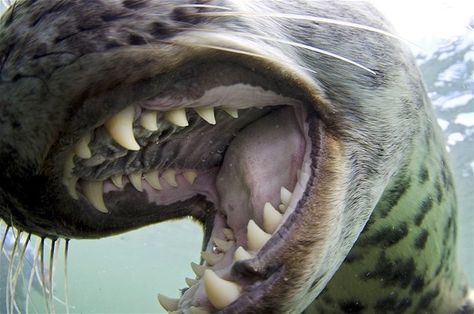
{"type": "Point", "coordinates": [263, 157]}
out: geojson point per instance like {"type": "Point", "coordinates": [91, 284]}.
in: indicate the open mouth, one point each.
{"type": "Point", "coordinates": [236, 158]}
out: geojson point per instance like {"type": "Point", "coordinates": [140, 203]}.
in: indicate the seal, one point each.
{"type": "Point", "coordinates": [300, 136]}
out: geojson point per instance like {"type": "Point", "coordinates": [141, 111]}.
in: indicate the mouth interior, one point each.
{"type": "Point", "coordinates": [246, 154]}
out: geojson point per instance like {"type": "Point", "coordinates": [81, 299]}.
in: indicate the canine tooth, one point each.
{"type": "Point", "coordinates": [271, 218]}
{"type": "Point", "coordinates": [222, 245]}
{"type": "Point", "coordinates": [211, 258]}
{"type": "Point", "coordinates": [256, 237]}
{"type": "Point", "coordinates": [148, 120]}
{"type": "Point", "coordinates": [170, 177]}
{"type": "Point", "coordinates": [241, 254]}
{"type": "Point", "coordinates": [285, 196]}
{"type": "Point", "coordinates": [190, 282]}
{"type": "Point", "coordinates": [229, 234]}
{"type": "Point", "coordinates": [220, 292]}
{"type": "Point", "coordinates": [82, 147]}
{"type": "Point", "coordinates": [120, 128]}
{"type": "Point", "coordinates": [169, 304]}
{"type": "Point", "coordinates": [70, 180]}
{"type": "Point", "coordinates": [234, 113]}
{"type": "Point", "coordinates": [177, 117]}
{"type": "Point", "coordinates": [197, 310]}
{"type": "Point", "coordinates": [190, 176]}
{"type": "Point", "coordinates": [207, 113]}
{"type": "Point", "coordinates": [152, 179]}
{"type": "Point", "coordinates": [198, 269]}
{"type": "Point", "coordinates": [136, 180]}
{"type": "Point", "coordinates": [93, 190]}
{"type": "Point", "coordinates": [117, 179]}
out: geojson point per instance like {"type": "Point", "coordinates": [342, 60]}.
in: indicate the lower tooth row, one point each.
{"type": "Point", "coordinates": [221, 292]}
{"type": "Point", "coordinates": [93, 190]}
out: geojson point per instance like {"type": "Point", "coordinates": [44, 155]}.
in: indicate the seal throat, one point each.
{"type": "Point", "coordinates": [238, 169]}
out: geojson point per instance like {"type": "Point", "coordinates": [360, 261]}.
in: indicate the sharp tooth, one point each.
{"type": "Point", "coordinates": [198, 269]}
{"type": "Point", "coordinates": [271, 218]}
{"type": "Point", "coordinates": [197, 310]}
{"type": "Point", "coordinates": [120, 128]}
{"type": "Point", "coordinates": [256, 237]}
{"type": "Point", "coordinates": [177, 117]}
{"type": "Point", "coordinates": [222, 245]}
{"type": "Point", "coordinates": [241, 254]}
{"type": "Point", "coordinates": [136, 180]}
{"type": "Point", "coordinates": [148, 120]}
{"type": "Point", "coordinates": [207, 113]}
{"type": "Point", "coordinates": [234, 113]}
{"type": "Point", "coordinates": [190, 176]}
{"type": "Point", "coordinates": [211, 258]}
{"type": "Point", "coordinates": [93, 190]}
{"type": "Point", "coordinates": [190, 282]}
{"type": "Point", "coordinates": [70, 180]}
{"type": "Point", "coordinates": [220, 292]}
{"type": "Point", "coordinates": [152, 179]}
{"type": "Point", "coordinates": [82, 147]}
{"type": "Point", "coordinates": [169, 304]}
{"type": "Point", "coordinates": [170, 177]}
{"type": "Point", "coordinates": [282, 208]}
{"type": "Point", "coordinates": [117, 179]}
{"type": "Point", "coordinates": [285, 196]}
{"type": "Point", "coordinates": [229, 234]}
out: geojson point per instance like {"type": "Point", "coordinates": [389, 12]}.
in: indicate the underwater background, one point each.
{"type": "Point", "coordinates": [123, 274]}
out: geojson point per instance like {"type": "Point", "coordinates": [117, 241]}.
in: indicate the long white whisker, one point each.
{"type": "Point", "coordinates": [8, 291]}
{"type": "Point", "coordinates": [43, 277]}
{"type": "Point", "coordinates": [294, 44]}
{"type": "Point", "coordinates": [301, 18]}
{"type": "Point", "coordinates": [51, 275]}
{"type": "Point", "coordinates": [203, 6]}
{"type": "Point", "coordinates": [233, 50]}
{"type": "Point", "coordinates": [19, 268]}
{"type": "Point", "coordinates": [66, 285]}
{"type": "Point", "coordinates": [34, 272]}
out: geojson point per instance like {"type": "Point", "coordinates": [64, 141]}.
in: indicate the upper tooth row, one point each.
{"type": "Point", "coordinates": [120, 126]}
{"type": "Point", "coordinates": [221, 292]}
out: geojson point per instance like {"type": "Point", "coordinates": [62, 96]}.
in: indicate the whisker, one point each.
{"type": "Point", "coordinates": [205, 6]}
{"type": "Point", "coordinates": [34, 273]}
{"type": "Point", "coordinates": [301, 17]}
{"type": "Point", "coordinates": [8, 291]}
{"type": "Point", "coordinates": [299, 45]}
{"type": "Point", "coordinates": [19, 268]}
{"type": "Point", "coordinates": [233, 50]}
{"type": "Point", "coordinates": [43, 277]}
{"type": "Point", "coordinates": [66, 285]}
{"type": "Point", "coordinates": [51, 274]}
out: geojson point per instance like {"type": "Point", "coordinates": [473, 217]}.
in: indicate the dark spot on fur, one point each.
{"type": "Point", "coordinates": [424, 175]}
{"type": "Point", "coordinates": [391, 197]}
{"type": "Point", "coordinates": [160, 30]}
{"type": "Point", "coordinates": [426, 299]}
{"type": "Point", "coordinates": [392, 304]}
{"type": "Point", "coordinates": [424, 208]}
{"type": "Point", "coordinates": [418, 283]}
{"type": "Point", "coordinates": [134, 4]}
{"type": "Point", "coordinates": [351, 306]}
{"type": "Point", "coordinates": [420, 240]}
{"type": "Point", "coordinates": [387, 235]}
{"type": "Point", "coordinates": [439, 192]}
{"type": "Point", "coordinates": [136, 40]}
{"type": "Point", "coordinates": [399, 271]}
